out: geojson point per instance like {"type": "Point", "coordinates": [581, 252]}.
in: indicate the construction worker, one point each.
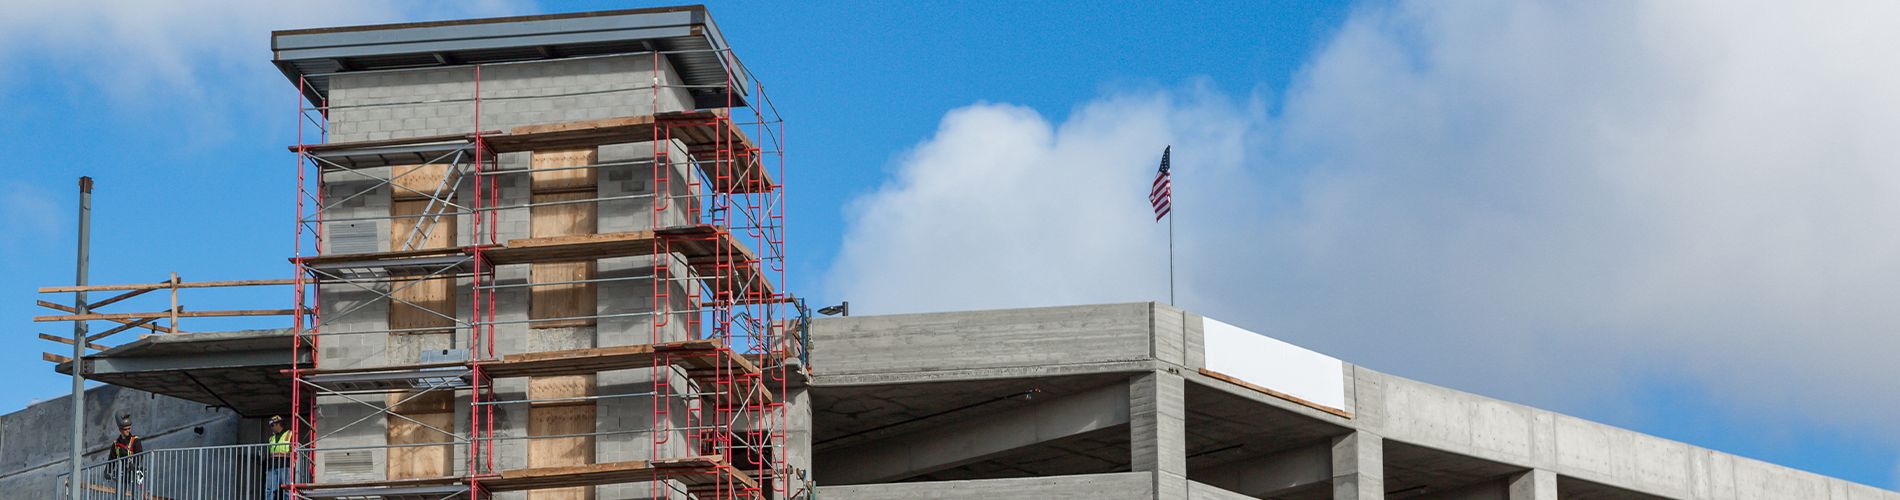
{"type": "Point", "coordinates": [123, 451]}
{"type": "Point", "coordinates": [278, 468]}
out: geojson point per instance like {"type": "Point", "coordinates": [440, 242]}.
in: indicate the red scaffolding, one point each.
{"type": "Point", "coordinates": [716, 360]}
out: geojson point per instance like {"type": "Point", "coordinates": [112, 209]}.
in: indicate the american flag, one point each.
{"type": "Point", "coordinates": [1161, 196]}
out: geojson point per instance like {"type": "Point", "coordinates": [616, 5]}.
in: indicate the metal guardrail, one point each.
{"type": "Point", "coordinates": [236, 472]}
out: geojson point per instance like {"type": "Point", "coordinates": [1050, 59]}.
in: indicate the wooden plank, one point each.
{"type": "Point", "coordinates": [185, 314]}
{"type": "Point", "coordinates": [410, 182]}
{"type": "Point", "coordinates": [96, 305]}
{"type": "Point", "coordinates": [544, 181]}
{"type": "Point", "coordinates": [1270, 392]}
{"type": "Point", "coordinates": [70, 309]}
{"type": "Point", "coordinates": [55, 358]}
{"type": "Point", "coordinates": [401, 141]}
{"type": "Point", "coordinates": [414, 462]}
{"type": "Point", "coordinates": [155, 286]}
{"type": "Point", "coordinates": [174, 309]}
{"type": "Point", "coordinates": [582, 125]}
{"type": "Point", "coordinates": [123, 327]}
{"type": "Point", "coordinates": [380, 256]}
{"type": "Point", "coordinates": [67, 341]}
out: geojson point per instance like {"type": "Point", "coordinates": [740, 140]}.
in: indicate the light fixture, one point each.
{"type": "Point", "coordinates": [842, 309]}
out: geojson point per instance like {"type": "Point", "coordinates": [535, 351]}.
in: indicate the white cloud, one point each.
{"type": "Point", "coordinates": [203, 64]}
{"type": "Point", "coordinates": [1535, 201]}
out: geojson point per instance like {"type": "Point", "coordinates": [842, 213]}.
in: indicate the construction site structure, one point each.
{"type": "Point", "coordinates": [544, 257]}
{"type": "Point", "coordinates": [537, 254]}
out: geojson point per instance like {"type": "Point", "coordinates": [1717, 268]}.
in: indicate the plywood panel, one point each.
{"type": "Point", "coordinates": [563, 219]}
{"type": "Point", "coordinates": [566, 300]}
{"type": "Point", "coordinates": [413, 302]}
{"type": "Point", "coordinates": [416, 181]}
{"type": "Point", "coordinates": [410, 462]}
{"type": "Point", "coordinates": [562, 301]}
{"type": "Point", "coordinates": [407, 214]}
{"type": "Point", "coordinates": [571, 179]}
{"type": "Point", "coordinates": [561, 419]}
{"type": "Point", "coordinates": [571, 300]}
{"type": "Point", "coordinates": [560, 386]}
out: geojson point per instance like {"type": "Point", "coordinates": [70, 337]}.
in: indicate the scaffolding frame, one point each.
{"type": "Point", "coordinates": [733, 377]}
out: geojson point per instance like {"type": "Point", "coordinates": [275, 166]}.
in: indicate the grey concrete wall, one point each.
{"type": "Point", "coordinates": [1033, 342]}
{"type": "Point", "coordinates": [35, 442]}
{"type": "Point", "coordinates": [1119, 486]}
{"type": "Point", "coordinates": [1468, 424]}
{"type": "Point", "coordinates": [1040, 337]}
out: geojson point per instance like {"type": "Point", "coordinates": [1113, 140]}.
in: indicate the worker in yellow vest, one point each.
{"type": "Point", "coordinates": [278, 468]}
{"type": "Point", "coordinates": [125, 464]}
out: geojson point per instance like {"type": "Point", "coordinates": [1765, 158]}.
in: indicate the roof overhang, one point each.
{"type": "Point", "coordinates": [241, 370]}
{"type": "Point", "coordinates": [685, 34]}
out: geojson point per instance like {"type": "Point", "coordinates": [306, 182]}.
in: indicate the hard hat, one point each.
{"type": "Point", "coordinates": [125, 420]}
{"type": "Point", "coordinates": [276, 419]}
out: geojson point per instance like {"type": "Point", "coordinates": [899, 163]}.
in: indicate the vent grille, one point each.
{"type": "Point", "coordinates": [351, 237]}
{"type": "Point", "coordinates": [349, 465]}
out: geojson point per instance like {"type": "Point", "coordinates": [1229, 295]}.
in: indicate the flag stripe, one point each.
{"type": "Point", "coordinates": [1161, 194]}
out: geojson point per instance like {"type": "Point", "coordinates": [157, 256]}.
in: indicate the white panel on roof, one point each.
{"type": "Point", "coordinates": [1268, 362]}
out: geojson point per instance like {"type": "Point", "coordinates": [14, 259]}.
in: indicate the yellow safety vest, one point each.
{"type": "Point", "coordinates": [280, 444]}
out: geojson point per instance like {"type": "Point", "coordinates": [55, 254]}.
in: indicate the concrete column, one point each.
{"type": "Point", "coordinates": [1358, 467]}
{"type": "Point", "coordinates": [1534, 484]}
{"type": "Point", "coordinates": [1157, 431]}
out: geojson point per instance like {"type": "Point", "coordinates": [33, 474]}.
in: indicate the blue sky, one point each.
{"type": "Point", "coordinates": [1384, 182]}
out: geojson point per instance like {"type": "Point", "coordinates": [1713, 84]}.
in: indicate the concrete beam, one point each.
{"type": "Point", "coordinates": [1266, 475]}
{"type": "Point", "coordinates": [953, 445]}
{"type": "Point", "coordinates": [825, 379]}
{"type": "Point", "coordinates": [198, 361]}
{"type": "Point", "coordinates": [1486, 490]}
{"type": "Point", "coordinates": [1204, 491]}
{"type": "Point", "coordinates": [1157, 431]}
{"type": "Point", "coordinates": [1117, 486]}
{"type": "Point", "coordinates": [1534, 484]}
{"type": "Point", "coordinates": [1359, 467]}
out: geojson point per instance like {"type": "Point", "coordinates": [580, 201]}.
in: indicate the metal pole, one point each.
{"type": "Point", "coordinates": [1171, 256]}
{"type": "Point", "coordinates": [79, 335]}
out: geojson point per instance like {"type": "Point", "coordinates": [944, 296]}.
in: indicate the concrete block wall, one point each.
{"type": "Point", "coordinates": [410, 103]}
{"type": "Point", "coordinates": [34, 442]}
{"type": "Point", "coordinates": [419, 102]}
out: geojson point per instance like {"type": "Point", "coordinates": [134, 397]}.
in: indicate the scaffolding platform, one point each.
{"type": "Point", "coordinates": [703, 360]}
{"type": "Point", "coordinates": [705, 133]}
{"type": "Point", "coordinates": [403, 489]}
{"type": "Point", "coordinates": [696, 473]}
{"type": "Point", "coordinates": [703, 246]}
{"type": "Point", "coordinates": [395, 378]}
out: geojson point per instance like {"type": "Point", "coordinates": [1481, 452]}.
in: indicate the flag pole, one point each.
{"type": "Point", "coordinates": [1171, 257]}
